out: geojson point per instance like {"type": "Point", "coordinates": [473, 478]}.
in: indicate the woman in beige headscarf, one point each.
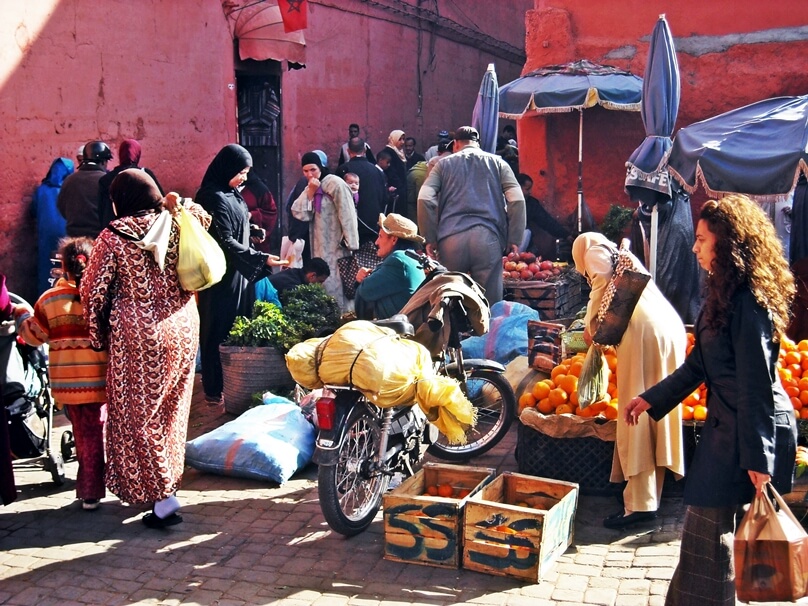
{"type": "Point", "coordinates": [652, 347]}
{"type": "Point", "coordinates": [396, 172]}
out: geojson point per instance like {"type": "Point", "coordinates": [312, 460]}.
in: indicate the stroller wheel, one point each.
{"type": "Point", "coordinates": [56, 468]}
{"type": "Point", "coordinates": [68, 445]}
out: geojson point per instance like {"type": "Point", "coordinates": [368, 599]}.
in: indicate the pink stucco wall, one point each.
{"type": "Point", "coordinates": [163, 72]}
{"type": "Point", "coordinates": [730, 54]}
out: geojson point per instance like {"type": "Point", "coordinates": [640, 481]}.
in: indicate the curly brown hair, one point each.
{"type": "Point", "coordinates": [75, 254]}
{"type": "Point", "coordinates": [747, 252]}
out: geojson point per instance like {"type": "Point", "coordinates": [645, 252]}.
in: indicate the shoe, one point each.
{"type": "Point", "coordinates": [213, 400]}
{"type": "Point", "coordinates": [619, 520]}
{"type": "Point", "coordinates": [152, 521]}
{"type": "Point", "coordinates": [90, 504]}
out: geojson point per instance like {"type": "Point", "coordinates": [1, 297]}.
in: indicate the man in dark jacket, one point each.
{"type": "Point", "coordinates": [372, 192]}
{"type": "Point", "coordinates": [78, 198]}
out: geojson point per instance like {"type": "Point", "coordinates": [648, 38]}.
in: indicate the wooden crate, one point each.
{"type": "Point", "coordinates": [504, 537]}
{"type": "Point", "coordinates": [426, 529]}
{"type": "Point", "coordinates": [562, 298]}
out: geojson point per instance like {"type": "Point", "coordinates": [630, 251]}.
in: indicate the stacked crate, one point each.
{"type": "Point", "coordinates": [559, 299]}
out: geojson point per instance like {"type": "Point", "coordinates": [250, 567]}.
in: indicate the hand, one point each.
{"type": "Point", "coordinates": [587, 337]}
{"type": "Point", "coordinates": [314, 184]}
{"type": "Point", "coordinates": [363, 273]}
{"type": "Point", "coordinates": [432, 251]}
{"type": "Point", "coordinates": [634, 409]}
{"type": "Point", "coordinates": [514, 249]}
{"type": "Point", "coordinates": [274, 261]}
{"type": "Point", "coordinates": [759, 480]}
{"type": "Point", "coordinates": [172, 201]}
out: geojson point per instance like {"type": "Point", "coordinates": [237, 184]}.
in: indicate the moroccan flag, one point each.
{"type": "Point", "coordinates": [293, 13]}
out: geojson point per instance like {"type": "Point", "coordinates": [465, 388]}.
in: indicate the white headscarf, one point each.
{"type": "Point", "coordinates": [392, 143]}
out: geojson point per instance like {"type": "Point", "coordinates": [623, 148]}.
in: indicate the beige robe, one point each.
{"type": "Point", "coordinates": [652, 348]}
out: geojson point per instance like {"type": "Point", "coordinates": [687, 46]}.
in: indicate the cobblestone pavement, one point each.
{"type": "Point", "coordinates": [247, 542]}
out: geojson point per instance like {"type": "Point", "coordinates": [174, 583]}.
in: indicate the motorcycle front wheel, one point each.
{"type": "Point", "coordinates": [351, 491]}
{"type": "Point", "coordinates": [493, 398]}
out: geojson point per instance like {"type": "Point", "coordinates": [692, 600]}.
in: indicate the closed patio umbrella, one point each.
{"type": "Point", "coordinates": [485, 117]}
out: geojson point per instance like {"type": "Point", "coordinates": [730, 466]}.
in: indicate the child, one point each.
{"type": "Point", "coordinates": [352, 179]}
{"type": "Point", "coordinates": [77, 372]}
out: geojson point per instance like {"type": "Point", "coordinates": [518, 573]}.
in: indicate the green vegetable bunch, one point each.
{"type": "Point", "coordinates": [307, 309]}
{"type": "Point", "coordinates": [615, 222]}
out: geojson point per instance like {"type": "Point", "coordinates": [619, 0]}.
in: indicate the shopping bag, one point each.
{"type": "Point", "coordinates": [201, 262]}
{"type": "Point", "coordinates": [771, 552]}
{"type": "Point", "coordinates": [349, 266]}
{"type": "Point", "coordinates": [292, 251]}
{"type": "Point", "coordinates": [593, 381]}
{"type": "Point", "coordinates": [620, 298]}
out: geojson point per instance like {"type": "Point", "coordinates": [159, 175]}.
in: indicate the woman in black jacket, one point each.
{"type": "Point", "coordinates": [749, 436]}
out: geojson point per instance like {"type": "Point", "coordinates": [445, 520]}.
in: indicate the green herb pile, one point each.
{"type": "Point", "coordinates": [307, 309]}
{"type": "Point", "coordinates": [615, 222]}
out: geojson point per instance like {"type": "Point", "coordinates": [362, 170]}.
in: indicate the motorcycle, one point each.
{"type": "Point", "coordinates": [360, 446]}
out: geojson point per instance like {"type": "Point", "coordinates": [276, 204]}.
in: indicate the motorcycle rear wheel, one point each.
{"type": "Point", "coordinates": [493, 398]}
{"type": "Point", "coordinates": [351, 491]}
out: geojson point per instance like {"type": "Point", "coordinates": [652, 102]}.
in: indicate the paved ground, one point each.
{"type": "Point", "coordinates": [246, 542]}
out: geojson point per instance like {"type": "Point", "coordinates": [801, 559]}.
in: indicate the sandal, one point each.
{"type": "Point", "coordinates": [152, 521]}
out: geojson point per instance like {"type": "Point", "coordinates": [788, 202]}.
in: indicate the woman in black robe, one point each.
{"type": "Point", "coordinates": [233, 296]}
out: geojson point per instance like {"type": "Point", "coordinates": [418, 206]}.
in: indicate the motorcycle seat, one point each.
{"type": "Point", "coordinates": [399, 323]}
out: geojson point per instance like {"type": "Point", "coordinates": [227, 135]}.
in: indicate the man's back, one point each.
{"type": "Point", "coordinates": [372, 194]}
{"type": "Point", "coordinates": [78, 201]}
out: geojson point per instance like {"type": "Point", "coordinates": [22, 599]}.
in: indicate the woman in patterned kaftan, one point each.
{"type": "Point", "coordinates": [137, 310]}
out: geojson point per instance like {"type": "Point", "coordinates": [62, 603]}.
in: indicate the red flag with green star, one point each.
{"type": "Point", "coordinates": [293, 13]}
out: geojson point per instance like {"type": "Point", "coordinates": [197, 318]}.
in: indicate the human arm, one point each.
{"type": "Point", "coordinates": [33, 327]}
{"type": "Point", "coordinates": [341, 194]}
{"type": "Point", "coordinates": [428, 200]}
{"type": "Point", "coordinates": [514, 205]}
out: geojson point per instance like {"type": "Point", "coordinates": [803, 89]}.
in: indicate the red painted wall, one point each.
{"type": "Point", "coordinates": [730, 54]}
{"type": "Point", "coordinates": [162, 71]}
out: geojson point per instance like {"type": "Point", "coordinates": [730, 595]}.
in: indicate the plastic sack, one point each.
{"type": "Point", "coordinates": [201, 262]}
{"type": "Point", "coordinates": [292, 251]}
{"type": "Point", "coordinates": [593, 382]}
{"type": "Point", "coordinates": [507, 334]}
{"type": "Point", "coordinates": [771, 552]}
{"type": "Point", "coordinates": [301, 362]}
{"type": "Point", "coordinates": [269, 442]}
{"type": "Point", "coordinates": [446, 407]}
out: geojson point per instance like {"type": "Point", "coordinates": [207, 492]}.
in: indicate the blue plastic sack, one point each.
{"type": "Point", "coordinates": [269, 442]}
{"type": "Point", "coordinates": [506, 338]}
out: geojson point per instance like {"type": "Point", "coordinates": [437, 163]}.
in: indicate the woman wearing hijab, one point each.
{"type": "Point", "coordinates": [652, 347]}
{"type": "Point", "coordinates": [50, 222]}
{"type": "Point", "coordinates": [396, 173]}
{"type": "Point", "coordinates": [233, 296]}
{"type": "Point", "coordinates": [128, 157]}
{"type": "Point", "coordinates": [327, 204]}
{"type": "Point", "coordinates": [136, 310]}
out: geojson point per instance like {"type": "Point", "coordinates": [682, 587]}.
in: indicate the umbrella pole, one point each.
{"type": "Point", "coordinates": [580, 166]}
{"type": "Point", "coordinates": [654, 235]}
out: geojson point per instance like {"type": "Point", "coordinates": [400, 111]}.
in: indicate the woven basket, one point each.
{"type": "Point", "coordinates": [250, 370]}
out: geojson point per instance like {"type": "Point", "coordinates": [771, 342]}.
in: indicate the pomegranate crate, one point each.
{"type": "Point", "coordinates": [426, 529]}
{"type": "Point", "coordinates": [561, 298]}
{"type": "Point", "coordinates": [519, 525]}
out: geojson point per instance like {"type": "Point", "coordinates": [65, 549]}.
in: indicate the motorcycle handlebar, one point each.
{"type": "Point", "coordinates": [427, 263]}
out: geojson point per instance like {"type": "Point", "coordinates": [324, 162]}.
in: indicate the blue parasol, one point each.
{"type": "Point", "coordinates": [758, 149]}
{"type": "Point", "coordinates": [572, 86]}
{"type": "Point", "coordinates": [485, 117]}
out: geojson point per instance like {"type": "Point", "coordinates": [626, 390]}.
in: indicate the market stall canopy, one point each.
{"type": "Point", "coordinates": [564, 88]}
{"type": "Point", "coordinates": [258, 27]}
{"type": "Point", "coordinates": [758, 149]}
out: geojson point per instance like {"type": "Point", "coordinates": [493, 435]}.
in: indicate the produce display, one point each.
{"type": "Point", "coordinates": [559, 393]}
{"type": "Point", "coordinates": [528, 267]}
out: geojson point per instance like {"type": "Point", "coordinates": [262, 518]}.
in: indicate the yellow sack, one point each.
{"type": "Point", "coordinates": [446, 407]}
{"type": "Point", "coordinates": [302, 363]}
{"type": "Point", "coordinates": [201, 262]}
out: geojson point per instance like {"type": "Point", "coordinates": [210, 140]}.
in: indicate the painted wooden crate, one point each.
{"type": "Point", "coordinates": [518, 525]}
{"type": "Point", "coordinates": [428, 529]}
{"type": "Point", "coordinates": [559, 299]}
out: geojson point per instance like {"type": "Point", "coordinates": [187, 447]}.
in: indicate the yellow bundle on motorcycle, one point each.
{"type": "Point", "coordinates": [375, 360]}
{"type": "Point", "coordinates": [446, 407]}
{"type": "Point", "coordinates": [302, 363]}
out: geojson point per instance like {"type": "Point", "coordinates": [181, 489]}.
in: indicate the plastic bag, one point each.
{"type": "Point", "coordinates": [771, 552]}
{"type": "Point", "coordinates": [201, 262]}
{"type": "Point", "coordinates": [593, 383]}
{"type": "Point", "coordinates": [292, 251]}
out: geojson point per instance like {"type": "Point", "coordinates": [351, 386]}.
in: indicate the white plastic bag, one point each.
{"type": "Point", "coordinates": [292, 251]}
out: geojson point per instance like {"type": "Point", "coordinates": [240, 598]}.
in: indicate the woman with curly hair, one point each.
{"type": "Point", "coordinates": [749, 436]}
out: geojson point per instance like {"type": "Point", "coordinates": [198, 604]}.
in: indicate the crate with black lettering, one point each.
{"type": "Point", "coordinates": [423, 516]}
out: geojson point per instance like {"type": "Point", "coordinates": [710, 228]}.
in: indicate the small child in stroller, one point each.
{"type": "Point", "coordinates": [77, 372]}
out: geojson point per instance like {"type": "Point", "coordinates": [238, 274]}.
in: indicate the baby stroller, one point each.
{"type": "Point", "coordinates": [27, 400]}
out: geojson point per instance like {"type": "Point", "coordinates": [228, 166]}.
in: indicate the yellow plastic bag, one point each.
{"type": "Point", "coordinates": [446, 407]}
{"type": "Point", "coordinates": [201, 262]}
{"type": "Point", "coordinates": [302, 363]}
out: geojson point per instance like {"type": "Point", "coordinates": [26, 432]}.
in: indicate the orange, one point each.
{"type": "Point", "coordinates": [803, 345]}
{"type": "Point", "coordinates": [785, 374]}
{"type": "Point", "coordinates": [563, 409]}
{"type": "Point", "coordinates": [610, 411]}
{"type": "Point", "coordinates": [796, 403]}
{"type": "Point", "coordinates": [574, 398]}
{"type": "Point", "coordinates": [584, 412]}
{"type": "Point", "coordinates": [463, 493]}
{"type": "Point", "coordinates": [526, 400]}
{"type": "Point", "coordinates": [575, 369]}
{"type": "Point", "coordinates": [796, 370]}
{"type": "Point", "coordinates": [598, 407]}
{"type": "Point", "coordinates": [792, 357]}
{"type": "Point", "coordinates": [561, 369]}
{"type": "Point", "coordinates": [687, 412]}
{"type": "Point", "coordinates": [803, 383]}
{"type": "Point", "coordinates": [545, 407]}
{"type": "Point", "coordinates": [541, 390]}
{"type": "Point", "coordinates": [699, 412]}
{"type": "Point", "coordinates": [568, 383]}
{"type": "Point", "coordinates": [445, 490]}
{"type": "Point", "coordinates": [792, 391]}
{"type": "Point", "coordinates": [432, 490]}
{"type": "Point", "coordinates": [804, 362]}
{"type": "Point", "coordinates": [558, 397]}
{"type": "Point", "coordinates": [612, 389]}
{"type": "Point", "coordinates": [804, 413]}
{"type": "Point", "coordinates": [558, 379]}
{"type": "Point", "coordinates": [803, 397]}
{"type": "Point", "coordinates": [611, 360]}
{"type": "Point", "coordinates": [693, 399]}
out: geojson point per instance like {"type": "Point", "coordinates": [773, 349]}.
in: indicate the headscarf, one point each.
{"type": "Point", "coordinates": [596, 267]}
{"type": "Point", "coordinates": [129, 152]}
{"type": "Point", "coordinates": [583, 243]}
{"type": "Point", "coordinates": [60, 169]}
{"type": "Point", "coordinates": [133, 191]}
{"type": "Point", "coordinates": [323, 157]}
{"type": "Point", "coordinates": [230, 161]}
{"type": "Point", "coordinates": [392, 143]}
{"type": "Point", "coordinates": [313, 157]}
